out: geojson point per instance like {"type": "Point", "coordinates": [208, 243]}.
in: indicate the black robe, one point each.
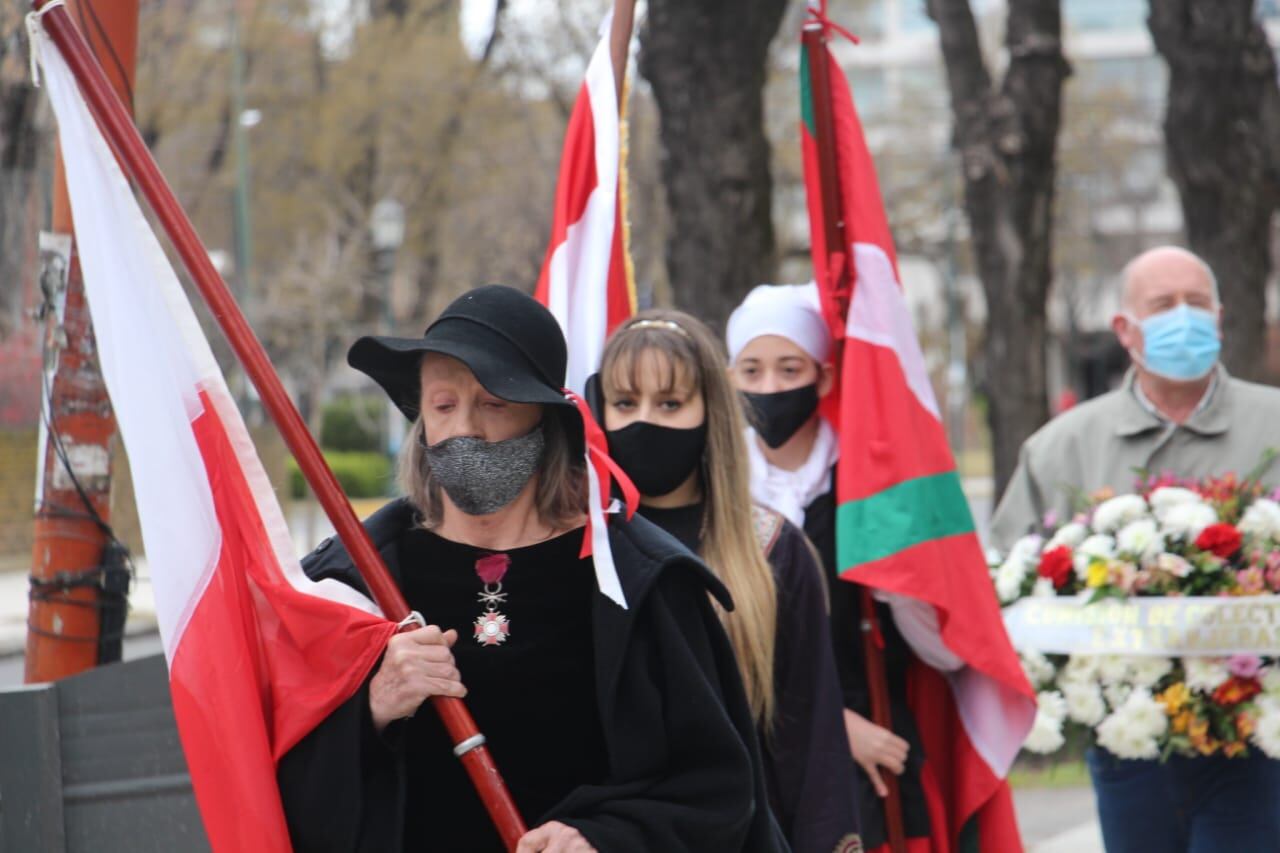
{"type": "Point", "coordinates": [846, 635]}
{"type": "Point", "coordinates": [809, 770]}
{"type": "Point", "coordinates": [683, 763]}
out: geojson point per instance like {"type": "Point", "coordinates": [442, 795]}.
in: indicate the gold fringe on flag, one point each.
{"type": "Point", "coordinates": [624, 191]}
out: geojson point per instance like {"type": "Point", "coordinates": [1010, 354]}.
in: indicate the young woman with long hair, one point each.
{"type": "Point", "coordinates": [674, 423]}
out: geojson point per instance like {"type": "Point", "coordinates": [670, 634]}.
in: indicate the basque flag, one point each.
{"type": "Point", "coordinates": [903, 526]}
{"type": "Point", "coordinates": [585, 279]}
{"type": "Point", "coordinates": [258, 654]}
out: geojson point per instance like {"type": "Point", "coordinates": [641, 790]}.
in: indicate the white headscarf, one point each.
{"type": "Point", "coordinates": [791, 311]}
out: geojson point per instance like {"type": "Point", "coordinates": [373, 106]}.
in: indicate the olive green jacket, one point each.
{"type": "Point", "coordinates": [1108, 441]}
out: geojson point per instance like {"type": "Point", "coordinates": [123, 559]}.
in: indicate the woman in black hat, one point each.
{"type": "Point", "coordinates": [605, 686]}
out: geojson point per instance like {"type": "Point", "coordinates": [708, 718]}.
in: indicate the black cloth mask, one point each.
{"type": "Point", "coordinates": [777, 416]}
{"type": "Point", "coordinates": [657, 458]}
{"type": "Point", "coordinates": [481, 477]}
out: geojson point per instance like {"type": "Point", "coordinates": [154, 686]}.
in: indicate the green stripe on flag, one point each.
{"type": "Point", "coordinates": [899, 517]}
{"type": "Point", "coordinates": [806, 93]}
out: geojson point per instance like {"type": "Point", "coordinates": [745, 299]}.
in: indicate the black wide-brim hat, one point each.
{"type": "Point", "coordinates": [508, 340]}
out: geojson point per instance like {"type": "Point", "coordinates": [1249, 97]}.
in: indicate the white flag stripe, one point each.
{"type": "Point", "coordinates": [879, 315]}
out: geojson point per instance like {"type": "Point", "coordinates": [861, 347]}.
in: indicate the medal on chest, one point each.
{"type": "Point", "coordinates": [491, 627]}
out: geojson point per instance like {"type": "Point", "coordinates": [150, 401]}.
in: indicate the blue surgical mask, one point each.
{"type": "Point", "coordinates": [1180, 344]}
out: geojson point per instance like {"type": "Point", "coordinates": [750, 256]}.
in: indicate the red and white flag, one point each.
{"type": "Point", "coordinates": [585, 281]}
{"type": "Point", "coordinates": [258, 654]}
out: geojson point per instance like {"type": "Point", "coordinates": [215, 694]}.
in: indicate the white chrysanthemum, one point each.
{"type": "Point", "coordinates": [1045, 735]}
{"type": "Point", "coordinates": [1043, 588]}
{"type": "Point", "coordinates": [1009, 582]}
{"type": "Point", "coordinates": [1026, 549]}
{"type": "Point", "coordinates": [1113, 514]}
{"type": "Point", "coordinates": [1116, 694]}
{"type": "Point", "coordinates": [1167, 497]}
{"type": "Point", "coordinates": [1051, 703]}
{"type": "Point", "coordinates": [1038, 668]}
{"type": "Point", "coordinates": [1177, 566]}
{"type": "Point", "coordinates": [1270, 678]}
{"type": "Point", "coordinates": [1113, 669]}
{"type": "Point", "coordinates": [1081, 668]}
{"type": "Point", "coordinates": [1099, 546]}
{"type": "Point", "coordinates": [1146, 671]}
{"type": "Point", "coordinates": [1266, 732]}
{"type": "Point", "coordinates": [1261, 520]}
{"type": "Point", "coordinates": [1084, 702]}
{"type": "Point", "coordinates": [1070, 535]}
{"type": "Point", "coordinates": [1205, 674]}
{"type": "Point", "coordinates": [1140, 539]}
{"type": "Point", "coordinates": [1119, 735]}
{"type": "Point", "coordinates": [993, 558]}
{"type": "Point", "coordinates": [1009, 578]}
{"type": "Point", "coordinates": [1145, 714]}
{"type": "Point", "coordinates": [1187, 521]}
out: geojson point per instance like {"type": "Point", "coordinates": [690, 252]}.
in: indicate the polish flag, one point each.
{"type": "Point", "coordinates": [257, 653]}
{"type": "Point", "coordinates": [585, 280]}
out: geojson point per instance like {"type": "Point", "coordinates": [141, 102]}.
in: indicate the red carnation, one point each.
{"type": "Point", "coordinates": [1220, 539]}
{"type": "Point", "coordinates": [1056, 564]}
{"type": "Point", "coordinates": [1235, 690]}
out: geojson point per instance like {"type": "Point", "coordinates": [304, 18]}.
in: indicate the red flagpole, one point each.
{"type": "Point", "coordinates": [814, 38]}
{"type": "Point", "coordinates": [116, 125]}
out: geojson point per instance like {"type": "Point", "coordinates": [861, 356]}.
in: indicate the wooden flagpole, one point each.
{"type": "Point", "coordinates": [116, 125]}
{"type": "Point", "coordinates": [814, 38]}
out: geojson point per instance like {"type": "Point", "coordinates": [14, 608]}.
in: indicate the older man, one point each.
{"type": "Point", "coordinates": [1177, 411]}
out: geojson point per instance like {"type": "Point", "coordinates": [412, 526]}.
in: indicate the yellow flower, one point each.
{"type": "Point", "coordinates": [1182, 722]}
{"type": "Point", "coordinates": [1198, 731]}
{"type": "Point", "coordinates": [1208, 747]}
{"type": "Point", "coordinates": [1098, 574]}
{"type": "Point", "coordinates": [1245, 725]}
{"type": "Point", "coordinates": [1174, 697]}
{"type": "Point", "coordinates": [1233, 748]}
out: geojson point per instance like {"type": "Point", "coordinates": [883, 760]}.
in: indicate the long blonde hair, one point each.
{"type": "Point", "coordinates": [692, 356]}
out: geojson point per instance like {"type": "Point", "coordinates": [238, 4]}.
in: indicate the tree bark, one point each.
{"type": "Point", "coordinates": [1007, 137]}
{"type": "Point", "coordinates": [25, 164]}
{"type": "Point", "coordinates": [706, 63]}
{"type": "Point", "coordinates": [1220, 155]}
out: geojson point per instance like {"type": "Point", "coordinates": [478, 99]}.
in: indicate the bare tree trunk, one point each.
{"type": "Point", "coordinates": [1222, 92]}
{"type": "Point", "coordinates": [706, 63]}
{"type": "Point", "coordinates": [1007, 138]}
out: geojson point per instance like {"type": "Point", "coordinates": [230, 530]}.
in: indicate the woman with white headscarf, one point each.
{"type": "Point", "coordinates": [781, 355]}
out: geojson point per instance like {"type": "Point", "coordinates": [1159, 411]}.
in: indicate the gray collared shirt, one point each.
{"type": "Point", "coordinates": [1110, 441]}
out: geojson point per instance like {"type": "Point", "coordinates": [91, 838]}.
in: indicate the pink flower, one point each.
{"type": "Point", "coordinates": [1273, 579]}
{"type": "Point", "coordinates": [1251, 581]}
{"type": "Point", "coordinates": [1245, 666]}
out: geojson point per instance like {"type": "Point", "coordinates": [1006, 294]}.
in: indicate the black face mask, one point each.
{"type": "Point", "coordinates": [777, 416]}
{"type": "Point", "coordinates": [657, 458]}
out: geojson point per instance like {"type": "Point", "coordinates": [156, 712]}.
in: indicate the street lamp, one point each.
{"type": "Point", "coordinates": [386, 236]}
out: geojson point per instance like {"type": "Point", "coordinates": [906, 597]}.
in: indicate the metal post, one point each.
{"type": "Point", "coordinates": [64, 633]}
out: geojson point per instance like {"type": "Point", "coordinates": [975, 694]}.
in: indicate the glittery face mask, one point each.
{"type": "Point", "coordinates": [481, 477]}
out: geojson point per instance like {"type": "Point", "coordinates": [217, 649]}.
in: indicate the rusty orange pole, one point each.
{"type": "Point", "coordinates": [64, 628]}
